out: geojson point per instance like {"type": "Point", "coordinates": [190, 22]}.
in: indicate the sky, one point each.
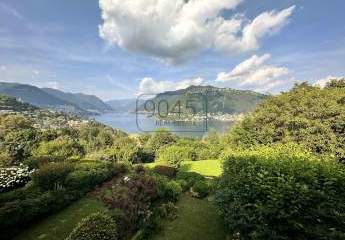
{"type": "Point", "coordinates": [117, 49]}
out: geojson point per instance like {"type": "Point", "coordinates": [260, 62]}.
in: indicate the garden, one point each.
{"type": "Point", "coordinates": [94, 182]}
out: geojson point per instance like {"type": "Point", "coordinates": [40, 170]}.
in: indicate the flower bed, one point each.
{"type": "Point", "coordinates": [13, 177]}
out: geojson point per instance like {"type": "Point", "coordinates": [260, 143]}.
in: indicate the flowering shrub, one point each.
{"type": "Point", "coordinates": [13, 177]}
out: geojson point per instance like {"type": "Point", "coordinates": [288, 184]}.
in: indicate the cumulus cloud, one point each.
{"type": "Point", "coordinates": [322, 82]}
{"type": "Point", "coordinates": [3, 68]}
{"type": "Point", "coordinates": [150, 86]}
{"type": "Point", "coordinates": [177, 30]}
{"type": "Point", "coordinates": [254, 74]}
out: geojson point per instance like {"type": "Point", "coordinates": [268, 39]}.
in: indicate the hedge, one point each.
{"type": "Point", "coordinates": [282, 193]}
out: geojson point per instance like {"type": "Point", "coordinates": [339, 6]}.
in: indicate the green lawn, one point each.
{"type": "Point", "coordinates": [210, 168]}
{"type": "Point", "coordinates": [58, 226]}
{"type": "Point", "coordinates": [197, 219]}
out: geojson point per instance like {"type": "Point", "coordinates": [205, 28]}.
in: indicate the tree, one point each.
{"type": "Point", "coordinates": [307, 115]}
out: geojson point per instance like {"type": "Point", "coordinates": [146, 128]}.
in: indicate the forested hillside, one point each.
{"type": "Point", "coordinates": [308, 115]}
{"type": "Point", "coordinates": [218, 100]}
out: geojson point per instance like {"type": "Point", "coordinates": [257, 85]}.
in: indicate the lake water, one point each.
{"type": "Point", "coordinates": [131, 123]}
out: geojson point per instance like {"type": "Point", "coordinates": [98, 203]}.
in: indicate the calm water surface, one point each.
{"type": "Point", "coordinates": [131, 123]}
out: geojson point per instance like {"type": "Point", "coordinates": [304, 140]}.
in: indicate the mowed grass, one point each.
{"type": "Point", "coordinates": [59, 225]}
{"type": "Point", "coordinates": [209, 168]}
{"type": "Point", "coordinates": [197, 219]}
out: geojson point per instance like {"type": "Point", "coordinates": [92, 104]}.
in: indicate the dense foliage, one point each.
{"type": "Point", "coordinates": [282, 193]}
{"type": "Point", "coordinates": [13, 177]}
{"type": "Point", "coordinates": [308, 115]}
{"type": "Point", "coordinates": [97, 226]}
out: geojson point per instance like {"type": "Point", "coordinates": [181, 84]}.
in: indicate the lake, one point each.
{"type": "Point", "coordinates": [131, 123]}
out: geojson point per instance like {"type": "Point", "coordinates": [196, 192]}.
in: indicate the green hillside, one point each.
{"type": "Point", "coordinates": [84, 101]}
{"type": "Point", "coordinates": [217, 100]}
{"type": "Point", "coordinates": [11, 104]}
{"type": "Point", "coordinates": [50, 98]}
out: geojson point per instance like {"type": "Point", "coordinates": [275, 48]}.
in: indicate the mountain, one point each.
{"type": "Point", "coordinates": [123, 105]}
{"type": "Point", "coordinates": [218, 100]}
{"type": "Point", "coordinates": [54, 99]}
{"type": "Point", "coordinates": [11, 104]}
{"type": "Point", "coordinates": [89, 103]}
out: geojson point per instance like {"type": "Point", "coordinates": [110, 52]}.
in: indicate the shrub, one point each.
{"type": "Point", "coordinates": [124, 149]}
{"type": "Point", "coordinates": [5, 159]}
{"type": "Point", "coordinates": [51, 175]}
{"type": "Point", "coordinates": [89, 174]}
{"type": "Point", "coordinates": [159, 139]}
{"type": "Point", "coordinates": [31, 205]}
{"type": "Point", "coordinates": [121, 168]}
{"type": "Point", "coordinates": [173, 190]}
{"type": "Point", "coordinates": [139, 169]}
{"type": "Point", "coordinates": [172, 155]}
{"type": "Point", "coordinates": [190, 177]}
{"type": "Point", "coordinates": [167, 189]}
{"type": "Point", "coordinates": [97, 226]}
{"type": "Point", "coordinates": [200, 189]}
{"type": "Point", "coordinates": [133, 196]}
{"type": "Point", "coordinates": [65, 147]}
{"type": "Point", "coordinates": [13, 177]}
{"type": "Point", "coordinates": [282, 193]}
{"type": "Point", "coordinates": [168, 210]}
{"type": "Point", "coordinates": [37, 161]}
{"type": "Point", "coordinates": [308, 115]}
{"type": "Point", "coordinates": [165, 171]}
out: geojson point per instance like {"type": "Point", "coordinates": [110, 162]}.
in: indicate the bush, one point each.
{"type": "Point", "coordinates": [121, 168]}
{"type": "Point", "coordinates": [173, 190]}
{"type": "Point", "coordinates": [190, 177]}
{"type": "Point", "coordinates": [133, 196]}
{"type": "Point", "coordinates": [51, 175]}
{"type": "Point", "coordinates": [167, 189]}
{"type": "Point", "coordinates": [31, 205]}
{"type": "Point", "coordinates": [89, 174]}
{"type": "Point", "coordinates": [282, 193]}
{"type": "Point", "coordinates": [64, 147]}
{"type": "Point", "coordinates": [13, 177]}
{"type": "Point", "coordinates": [97, 226]}
{"type": "Point", "coordinates": [38, 161]}
{"type": "Point", "coordinates": [165, 171]}
{"type": "Point", "coordinates": [200, 189]}
{"type": "Point", "coordinates": [173, 155]}
{"type": "Point", "coordinates": [308, 115]}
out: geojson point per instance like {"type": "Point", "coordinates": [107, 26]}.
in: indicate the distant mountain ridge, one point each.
{"type": "Point", "coordinates": [122, 105]}
{"type": "Point", "coordinates": [89, 103]}
{"type": "Point", "coordinates": [219, 100]}
{"type": "Point", "coordinates": [51, 98]}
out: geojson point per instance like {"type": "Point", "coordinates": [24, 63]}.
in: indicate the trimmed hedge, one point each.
{"type": "Point", "coordinates": [22, 206]}
{"type": "Point", "coordinates": [98, 226]}
{"type": "Point", "coordinates": [282, 193]}
{"type": "Point", "coordinates": [52, 174]}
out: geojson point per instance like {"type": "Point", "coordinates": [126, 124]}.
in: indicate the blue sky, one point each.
{"type": "Point", "coordinates": [59, 44]}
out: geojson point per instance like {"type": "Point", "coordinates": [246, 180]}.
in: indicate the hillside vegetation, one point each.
{"type": "Point", "coordinates": [54, 99]}
{"type": "Point", "coordinates": [307, 115]}
{"type": "Point", "coordinates": [218, 100]}
{"type": "Point", "coordinates": [278, 174]}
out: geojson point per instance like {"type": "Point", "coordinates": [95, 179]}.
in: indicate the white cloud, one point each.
{"type": "Point", "coordinates": [322, 82]}
{"type": "Point", "coordinates": [36, 72]}
{"type": "Point", "coordinates": [254, 74]}
{"type": "Point", "coordinates": [150, 86]}
{"type": "Point", "coordinates": [3, 68]}
{"type": "Point", "coordinates": [53, 84]}
{"type": "Point", "coordinates": [177, 30]}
